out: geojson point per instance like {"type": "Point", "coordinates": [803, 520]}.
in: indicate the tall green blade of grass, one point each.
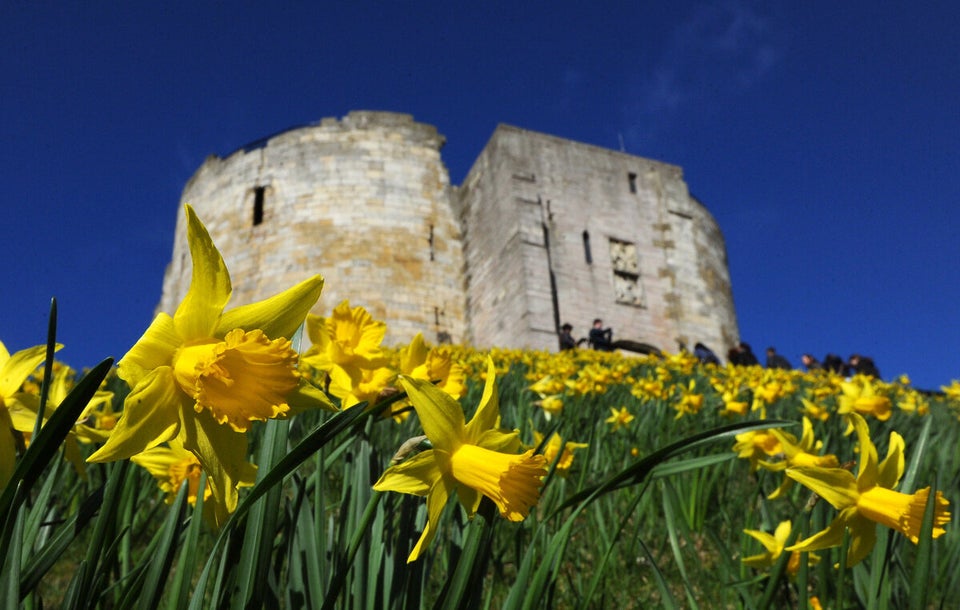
{"type": "Point", "coordinates": [39, 563]}
{"type": "Point", "coordinates": [471, 568]}
{"type": "Point", "coordinates": [10, 573]}
{"type": "Point", "coordinates": [257, 553]}
{"type": "Point", "coordinates": [47, 366]}
{"type": "Point", "coordinates": [639, 470]}
{"type": "Point", "coordinates": [670, 508]}
{"type": "Point", "coordinates": [920, 577]}
{"type": "Point", "coordinates": [323, 434]}
{"type": "Point", "coordinates": [159, 561]}
{"type": "Point", "coordinates": [104, 531]}
{"type": "Point", "coordinates": [186, 566]}
{"type": "Point", "coordinates": [46, 444]}
{"type": "Point", "coordinates": [599, 570]}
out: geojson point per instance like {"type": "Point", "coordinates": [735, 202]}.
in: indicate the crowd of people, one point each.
{"type": "Point", "coordinates": [600, 338]}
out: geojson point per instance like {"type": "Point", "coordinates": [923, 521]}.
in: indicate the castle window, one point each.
{"type": "Point", "coordinates": [632, 179]}
{"type": "Point", "coordinates": [626, 273]}
{"type": "Point", "coordinates": [586, 248]}
{"type": "Point", "coordinates": [258, 196]}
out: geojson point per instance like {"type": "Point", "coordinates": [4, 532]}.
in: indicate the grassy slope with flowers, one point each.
{"type": "Point", "coordinates": [222, 468]}
{"type": "Point", "coordinates": [674, 538]}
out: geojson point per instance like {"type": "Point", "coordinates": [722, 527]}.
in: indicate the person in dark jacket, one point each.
{"type": "Point", "coordinates": [601, 338]}
{"type": "Point", "coordinates": [776, 361]}
{"type": "Point", "coordinates": [705, 355]}
{"type": "Point", "coordinates": [863, 365]}
{"type": "Point", "coordinates": [566, 337]}
{"type": "Point", "coordinates": [742, 355]}
{"type": "Point", "coordinates": [834, 364]}
{"type": "Point", "coordinates": [810, 363]}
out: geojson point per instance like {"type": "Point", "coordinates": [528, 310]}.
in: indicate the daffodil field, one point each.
{"type": "Point", "coordinates": [263, 457]}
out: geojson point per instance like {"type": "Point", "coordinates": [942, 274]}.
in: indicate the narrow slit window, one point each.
{"type": "Point", "coordinates": [632, 179]}
{"type": "Point", "coordinates": [586, 248]}
{"type": "Point", "coordinates": [258, 196]}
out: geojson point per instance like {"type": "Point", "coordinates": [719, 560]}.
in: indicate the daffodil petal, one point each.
{"type": "Point", "coordinates": [277, 316]}
{"type": "Point", "coordinates": [154, 349]}
{"type": "Point", "coordinates": [764, 538]}
{"type": "Point", "coordinates": [867, 475]}
{"type": "Point", "coordinates": [891, 468]}
{"type": "Point", "coordinates": [500, 440]}
{"type": "Point", "coordinates": [469, 499]}
{"type": "Point", "coordinates": [307, 396]}
{"type": "Point", "coordinates": [8, 453]}
{"type": "Point", "coordinates": [222, 453]}
{"type": "Point", "coordinates": [489, 408]}
{"type": "Point", "coordinates": [416, 475]}
{"type": "Point", "coordinates": [156, 461]}
{"type": "Point", "coordinates": [71, 452]}
{"type": "Point", "coordinates": [436, 501]}
{"type": "Point", "coordinates": [210, 287]}
{"type": "Point", "coordinates": [863, 537]}
{"type": "Point", "coordinates": [830, 537]}
{"type": "Point", "coordinates": [19, 366]}
{"type": "Point", "coordinates": [150, 417]}
{"type": "Point", "coordinates": [414, 355]}
{"type": "Point", "coordinates": [22, 410]}
{"type": "Point", "coordinates": [835, 485]}
{"type": "Point", "coordinates": [440, 415]}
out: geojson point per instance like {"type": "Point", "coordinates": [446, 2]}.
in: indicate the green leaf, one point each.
{"type": "Point", "coordinates": [41, 562]}
{"type": "Point", "coordinates": [257, 552]}
{"type": "Point", "coordinates": [46, 444]}
{"type": "Point", "coordinates": [639, 470]}
{"type": "Point", "coordinates": [187, 564]}
{"type": "Point", "coordinates": [323, 434]}
{"type": "Point", "coordinates": [920, 578]}
{"type": "Point", "coordinates": [162, 558]}
{"type": "Point", "coordinates": [10, 574]}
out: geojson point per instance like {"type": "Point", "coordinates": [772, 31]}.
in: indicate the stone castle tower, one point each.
{"type": "Point", "coordinates": [543, 231]}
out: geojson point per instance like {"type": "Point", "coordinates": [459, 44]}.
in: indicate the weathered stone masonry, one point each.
{"type": "Point", "coordinates": [543, 230]}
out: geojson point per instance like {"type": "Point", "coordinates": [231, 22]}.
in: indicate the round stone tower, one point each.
{"type": "Point", "coordinates": [363, 201]}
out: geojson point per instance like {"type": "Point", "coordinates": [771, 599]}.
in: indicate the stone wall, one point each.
{"type": "Point", "coordinates": [364, 201]}
{"type": "Point", "coordinates": [620, 235]}
{"type": "Point", "coordinates": [542, 231]}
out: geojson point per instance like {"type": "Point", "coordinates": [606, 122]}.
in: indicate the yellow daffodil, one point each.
{"type": "Point", "coordinates": [814, 411]}
{"type": "Point", "coordinates": [753, 445]}
{"type": "Point", "coordinates": [349, 339]}
{"type": "Point", "coordinates": [797, 453]}
{"type": "Point", "coordinates": [868, 499]}
{"type": "Point", "coordinates": [554, 447]}
{"type": "Point", "coordinates": [473, 459]}
{"type": "Point", "coordinates": [690, 401]}
{"type": "Point", "coordinates": [15, 412]}
{"type": "Point", "coordinates": [366, 386]}
{"type": "Point", "coordinates": [860, 396]}
{"type": "Point", "coordinates": [952, 391]}
{"type": "Point", "coordinates": [913, 402]}
{"type": "Point", "coordinates": [551, 405]}
{"type": "Point", "coordinates": [434, 364]}
{"type": "Point", "coordinates": [60, 385]}
{"type": "Point", "coordinates": [618, 419]}
{"type": "Point", "coordinates": [204, 374]}
{"type": "Point", "coordinates": [773, 548]}
{"type": "Point", "coordinates": [171, 466]}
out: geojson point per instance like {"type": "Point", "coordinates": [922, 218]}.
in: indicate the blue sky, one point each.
{"type": "Point", "coordinates": [824, 137]}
